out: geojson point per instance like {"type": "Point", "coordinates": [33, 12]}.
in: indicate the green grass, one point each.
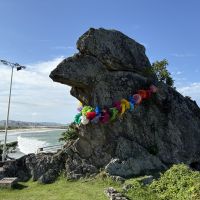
{"type": "Point", "coordinates": [177, 183]}
{"type": "Point", "coordinates": [60, 190]}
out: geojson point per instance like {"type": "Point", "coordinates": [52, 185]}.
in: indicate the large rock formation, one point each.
{"type": "Point", "coordinates": [161, 131]}
{"type": "Point", "coordinates": [105, 69]}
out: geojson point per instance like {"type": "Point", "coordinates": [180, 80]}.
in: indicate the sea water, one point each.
{"type": "Point", "coordinates": [31, 141]}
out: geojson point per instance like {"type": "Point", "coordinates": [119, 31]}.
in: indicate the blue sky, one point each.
{"type": "Point", "coordinates": [40, 34]}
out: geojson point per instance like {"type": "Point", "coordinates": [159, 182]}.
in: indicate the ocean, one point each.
{"type": "Point", "coordinates": [29, 141]}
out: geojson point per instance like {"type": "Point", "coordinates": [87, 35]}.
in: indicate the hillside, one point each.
{"type": "Point", "coordinates": [23, 124]}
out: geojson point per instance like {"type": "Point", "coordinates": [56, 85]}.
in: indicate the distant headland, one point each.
{"type": "Point", "coordinates": [26, 125]}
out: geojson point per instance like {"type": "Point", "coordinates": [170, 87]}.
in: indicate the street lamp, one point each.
{"type": "Point", "coordinates": [18, 67]}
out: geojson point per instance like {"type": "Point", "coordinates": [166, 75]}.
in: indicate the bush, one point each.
{"type": "Point", "coordinates": [163, 75]}
{"type": "Point", "coordinates": [70, 134]}
{"type": "Point", "coordinates": [177, 183]}
{"type": "Point", "coordinates": [9, 146]}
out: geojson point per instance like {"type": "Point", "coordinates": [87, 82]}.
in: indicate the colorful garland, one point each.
{"type": "Point", "coordinates": [94, 115]}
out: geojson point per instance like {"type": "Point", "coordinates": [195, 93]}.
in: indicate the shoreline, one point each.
{"type": "Point", "coordinates": [35, 130]}
{"type": "Point", "coordinates": [30, 139]}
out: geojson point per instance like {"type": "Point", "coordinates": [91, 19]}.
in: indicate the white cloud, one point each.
{"type": "Point", "coordinates": [192, 90]}
{"type": "Point", "coordinates": [35, 96]}
{"type": "Point", "coordinates": [179, 72]}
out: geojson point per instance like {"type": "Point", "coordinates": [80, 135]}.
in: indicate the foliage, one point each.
{"type": "Point", "coordinates": [180, 182]}
{"type": "Point", "coordinates": [70, 134]}
{"type": "Point", "coordinates": [160, 69]}
{"type": "Point", "coordinates": [140, 192]}
{"type": "Point", "coordinates": [148, 71]}
{"type": "Point", "coordinates": [12, 145]}
{"type": "Point", "coordinates": [9, 147]}
{"type": "Point", "coordinates": [177, 183]}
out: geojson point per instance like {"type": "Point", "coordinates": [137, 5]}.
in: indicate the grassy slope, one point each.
{"type": "Point", "coordinates": [61, 189]}
{"type": "Point", "coordinates": [178, 183]}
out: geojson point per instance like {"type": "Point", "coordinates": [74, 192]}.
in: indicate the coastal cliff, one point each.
{"type": "Point", "coordinates": [160, 131]}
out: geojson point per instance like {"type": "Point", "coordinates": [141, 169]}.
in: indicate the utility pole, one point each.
{"type": "Point", "coordinates": [18, 67]}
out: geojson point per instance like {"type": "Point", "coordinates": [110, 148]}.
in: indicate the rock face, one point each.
{"type": "Point", "coordinates": [113, 194]}
{"type": "Point", "coordinates": [115, 50]}
{"type": "Point", "coordinates": [42, 167]}
{"type": "Point", "coordinates": [159, 132]}
{"type": "Point", "coordinates": [104, 69]}
{"type": "Point", "coordinates": [45, 168]}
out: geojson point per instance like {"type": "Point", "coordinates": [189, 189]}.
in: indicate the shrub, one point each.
{"type": "Point", "coordinates": [160, 69]}
{"type": "Point", "coordinates": [9, 146]}
{"type": "Point", "coordinates": [177, 183]}
{"type": "Point", "coordinates": [70, 134]}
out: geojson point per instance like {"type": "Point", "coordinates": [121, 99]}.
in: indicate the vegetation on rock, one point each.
{"type": "Point", "coordinates": [160, 69]}
{"type": "Point", "coordinates": [70, 134]}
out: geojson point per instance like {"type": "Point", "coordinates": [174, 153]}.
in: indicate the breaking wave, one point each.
{"type": "Point", "coordinates": [30, 145]}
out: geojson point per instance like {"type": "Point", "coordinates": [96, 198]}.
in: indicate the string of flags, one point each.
{"type": "Point", "coordinates": [96, 115]}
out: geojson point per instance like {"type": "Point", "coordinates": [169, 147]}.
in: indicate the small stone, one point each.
{"type": "Point", "coordinates": [113, 194]}
{"type": "Point", "coordinates": [127, 187]}
{"type": "Point", "coordinates": [118, 179]}
{"type": "Point", "coordinates": [146, 180]}
{"type": "Point", "coordinates": [8, 182]}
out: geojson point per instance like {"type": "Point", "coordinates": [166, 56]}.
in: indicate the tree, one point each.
{"type": "Point", "coordinates": [160, 69]}
{"type": "Point", "coordinates": [9, 147]}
